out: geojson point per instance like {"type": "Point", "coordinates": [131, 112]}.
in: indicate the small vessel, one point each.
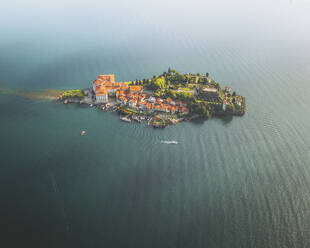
{"type": "Point", "coordinates": [90, 105]}
{"type": "Point", "coordinates": [173, 142]}
{"type": "Point", "coordinates": [135, 118]}
{"type": "Point", "coordinates": [83, 132]}
{"type": "Point", "coordinates": [125, 118]}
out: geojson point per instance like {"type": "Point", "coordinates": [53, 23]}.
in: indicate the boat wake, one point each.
{"type": "Point", "coordinates": [173, 142]}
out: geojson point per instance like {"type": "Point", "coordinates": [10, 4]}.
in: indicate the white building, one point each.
{"type": "Point", "coordinates": [101, 97]}
{"type": "Point", "coordinates": [152, 99]}
{"type": "Point", "coordinates": [224, 105]}
{"type": "Point", "coordinates": [228, 89]}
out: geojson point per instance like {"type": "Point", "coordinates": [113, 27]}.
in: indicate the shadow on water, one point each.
{"type": "Point", "coordinates": [223, 119]}
{"type": "Point", "coordinates": [226, 119]}
{"type": "Point", "coordinates": [198, 121]}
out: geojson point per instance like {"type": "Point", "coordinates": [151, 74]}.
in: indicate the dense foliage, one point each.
{"type": "Point", "coordinates": [79, 94]}
{"type": "Point", "coordinates": [188, 88]}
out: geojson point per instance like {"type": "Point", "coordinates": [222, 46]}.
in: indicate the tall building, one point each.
{"type": "Point", "coordinates": [105, 85]}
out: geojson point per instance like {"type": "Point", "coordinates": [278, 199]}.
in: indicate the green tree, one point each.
{"type": "Point", "coordinates": [160, 83]}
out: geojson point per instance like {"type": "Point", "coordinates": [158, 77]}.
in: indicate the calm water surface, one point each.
{"type": "Point", "coordinates": [240, 182]}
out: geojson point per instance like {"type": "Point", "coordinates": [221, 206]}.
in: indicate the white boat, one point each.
{"type": "Point", "coordinates": [83, 132]}
{"type": "Point", "coordinates": [125, 118]}
{"type": "Point", "coordinates": [169, 142]}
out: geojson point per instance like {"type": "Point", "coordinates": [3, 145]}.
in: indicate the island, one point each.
{"type": "Point", "coordinates": [161, 100]}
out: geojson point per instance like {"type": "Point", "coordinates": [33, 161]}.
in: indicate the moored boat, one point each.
{"type": "Point", "coordinates": [125, 118]}
{"type": "Point", "coordinates": [136, 118]}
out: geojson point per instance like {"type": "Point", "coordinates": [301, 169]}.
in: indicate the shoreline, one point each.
{"type": "Point", "coordinates": [154, 119]}
{"type": "Point", "coordinates": [162, 101]}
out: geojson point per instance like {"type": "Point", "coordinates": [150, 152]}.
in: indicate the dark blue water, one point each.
{"type": "Point", "coordinates": [235, 182]}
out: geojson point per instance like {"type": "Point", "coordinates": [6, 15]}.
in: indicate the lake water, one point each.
{"type": "Point", "coordinates": [240, 182]}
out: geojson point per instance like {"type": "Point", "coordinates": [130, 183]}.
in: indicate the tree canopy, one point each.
{"type": "Point", "coordinates": [160, 83]}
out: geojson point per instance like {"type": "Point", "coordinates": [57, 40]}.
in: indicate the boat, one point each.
{"type": "Point", "coordinates": [135, 118]}
{"type": "Point", "coordinates": [173, 142]}
{"type": "Point", "coordinates": [125, 118]}
{"type": "Point", "coordinates": [83, 132]}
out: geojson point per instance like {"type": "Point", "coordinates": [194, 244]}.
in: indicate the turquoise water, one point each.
{"type": "Point", "coordinates": [239, 182]}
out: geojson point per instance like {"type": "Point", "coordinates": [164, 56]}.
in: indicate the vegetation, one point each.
{"type": "Point", "coordinates": [189, 88]}
{"type": "Point", "coordinates": [48, 94]}
{"type": "Point", "coordinates": [127, 111]}
{"type": "Point", "coordinates": [77, 94]}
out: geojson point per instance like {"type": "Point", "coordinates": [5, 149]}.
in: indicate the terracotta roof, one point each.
{"type": "Point", "coordinates": [107, 77]}
{"type": "Point", "coordinates": [98, 82]}
{"type": "Point", "coordinates": [135, 88]}
{"type": "Point", "coordinates": [100, 88]}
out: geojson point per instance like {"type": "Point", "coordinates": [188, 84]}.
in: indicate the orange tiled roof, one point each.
{"type": "Point", "coordinates": [135, 88]}
{"type": "Point", "coordinates": [98, 82]}
{"type": "Point", "coordinates": [100, 88]}
{"type": "Point", "coordinates": [107, 77]}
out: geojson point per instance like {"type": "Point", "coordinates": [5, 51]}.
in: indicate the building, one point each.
{"type": "Point", "coordinates": [224, 105]}
{"type": "Point", "coordinates": [103, 79]}
{"type": "Point", "coordinates": [227, 89]}
{"type": "Point", "coordinates": [210, 93]}
{"type": "Point", "coordinates": [132, 96]}
{"type": "Point", "coordinates": [151, 99]}
{"type": "Point", "coordinates": [107, 77]}
{"type": "Point", "coordinates": [105, 85]}
{"type": "Point", "coordinates": [101, 95]}
{"type": "Point", "coordinates": [135, 88]}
